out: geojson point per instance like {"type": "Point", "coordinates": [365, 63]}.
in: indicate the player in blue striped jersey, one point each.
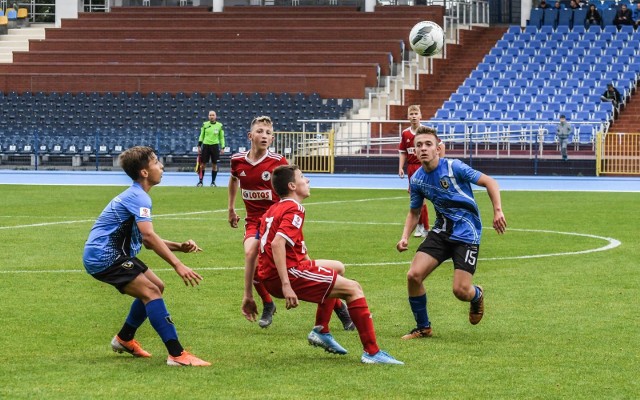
{"type": "Point", "coordinates": [456, 232]}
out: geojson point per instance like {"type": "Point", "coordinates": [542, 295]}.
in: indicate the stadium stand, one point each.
{"type": "Point", "coordinates": [4, 25]}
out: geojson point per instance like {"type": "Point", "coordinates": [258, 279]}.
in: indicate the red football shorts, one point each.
{"type": "Point", "coordinates": [251, 228]}
{"type": "Point", "coordinates": [311, 283]}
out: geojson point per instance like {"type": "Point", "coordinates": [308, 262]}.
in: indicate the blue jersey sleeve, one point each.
{"type": "Point", "coordinates": [139, 205]}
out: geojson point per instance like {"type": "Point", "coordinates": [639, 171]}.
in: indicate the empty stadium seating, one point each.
{"type": "Point", "coordinates": [94, 123]}
{"type": "Point", "coordinates": [541, 75]}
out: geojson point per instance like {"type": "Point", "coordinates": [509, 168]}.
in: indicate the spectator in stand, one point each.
{"type": "Point", "coordinates": [563, 131]}
{"type": "Point", "coordinates": [574, 5]}
{"type": "Point", "coordinates": [636, 15]}
{"type": "Point", "coordinates": [543, 4]}
{"type": "Point", "coordinates": [557, 5]}
{"type": "Point", "coordinates": [623, 16]}
{"type": "Point", "coordinates": [593, 16]}
{"type": "Point", "coordinates": [612, 95]}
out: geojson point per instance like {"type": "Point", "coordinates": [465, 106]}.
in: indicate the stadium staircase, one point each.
{"type": "Point", "coordinates": [17, 39]}
{"type": "Point", "coordinates": [449, 73]}
{"type": "Point", "coordinates": [629, 120]}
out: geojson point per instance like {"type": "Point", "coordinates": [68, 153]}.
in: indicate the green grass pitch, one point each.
{"type": "Point", "coordinates": [561, 320]}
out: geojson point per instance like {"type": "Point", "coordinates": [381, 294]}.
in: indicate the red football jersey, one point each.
{"type": "Point", "coordinates": [406, 146]}
{"type": "Point", "coordinates": [284, 218]}
{"type": "Point", "coordinates": [255, 181]}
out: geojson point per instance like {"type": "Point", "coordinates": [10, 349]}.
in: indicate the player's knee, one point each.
{"type": "Point", "coordinates": [461, 292]}
{"type": "Point", "coordinates": [160, 286]}
{"type": "Point", "coordinates": [355, 290]}
{"type": "Point", "coordinates": [339, 268]}
{"type": "Point", "coordinates": [414, 277]}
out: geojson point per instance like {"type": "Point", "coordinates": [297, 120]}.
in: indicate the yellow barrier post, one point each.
{"type": "Point", "coordinates": [311, 151]}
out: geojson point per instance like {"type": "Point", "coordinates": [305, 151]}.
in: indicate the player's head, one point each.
{"type": "Point", "coordinates": [212, 116]}
{"type": "Point", "coordinates": [138, 158]}
{"type": "Point", "coordinates": [261, 132]}
{"type": "Point", "coordinates": [414, 114]}
{"type": "Point", "coordinates": [426, 142]}
{"type": "Point", "coordinates": [288, 179]}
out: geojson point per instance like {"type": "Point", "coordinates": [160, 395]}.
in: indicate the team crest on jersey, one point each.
{"type": "Point", "coordinates": [266, 176]}
{"type": "Point", "coordinates": [444, 182]}
{"type": "Point", "coordinates": [297, 221]}
{"type": "Point", "coordinates": [145, 212]}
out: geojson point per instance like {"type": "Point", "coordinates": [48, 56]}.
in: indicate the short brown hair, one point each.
{"type": "Point", "coordinates": [281, 177]}
{"type": "Point", "coordinates": [135, 159]}
{"type": "Point", "coordinates": [427, 130]}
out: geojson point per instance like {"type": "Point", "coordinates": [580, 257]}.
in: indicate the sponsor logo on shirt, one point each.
{"type": "Point", "coordinates": [297, 221]}
{"type": "Point", "coordinates": [243, 174]}
{"type": "Point", "coordinates": [256, 194]}
{"type": "Point", "coordinates": [411, 150]}
{"type": "Point", "coordinates": [145, 212]}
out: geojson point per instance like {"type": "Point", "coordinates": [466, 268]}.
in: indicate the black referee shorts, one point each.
{"type": "Point", "coordinates": [210, 152]}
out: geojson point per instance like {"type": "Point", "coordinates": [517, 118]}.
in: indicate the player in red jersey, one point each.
{"type": "Point", "coordinates": [285, 269]}
{"type": "Point", "coordinates": [406, 149]}
{"type": "Point", "coordinates": [251, 173]}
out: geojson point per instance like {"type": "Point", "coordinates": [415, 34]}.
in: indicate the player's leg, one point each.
{"type": "Point", "coordinates": [465, 258]}
{"type": "Point", "coordinates": [423, 264]}
{"type": "Point", "coordinates": [143, 288]}
{"type": "Point", "coordinates": [351, 292]}
{"type": "Point", "coordinates": [424, 218]}
{"type": "Point", "coordinates": [339, 307]}
{"type": "Point", "coordinates": [138, 312]}
{"type": "Point", "coordinates": [251, 247]}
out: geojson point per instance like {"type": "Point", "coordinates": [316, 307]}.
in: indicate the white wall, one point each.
{"type": "Point", "coordinates": [67, 9]}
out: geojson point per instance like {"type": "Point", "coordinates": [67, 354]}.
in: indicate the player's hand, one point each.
{"type": "Point", "coordinates": [199, 150]}
{"type": "Point", "coordinates": [189, 247]}
{"type": "Point", "coordinates": [401, 173]}
{"type": "Point", "coordinates": [499, 222]}
{"type": "Point", "coordinates": [290, 297]}
{"type": "Point", "coordinates": [189, 276]}
{"type": "Point", "coordinates": [233, 219]}
{"type": "Point", "coordinates": [249, 309]}
{"type": "Point", "coordinates": [402, 245]}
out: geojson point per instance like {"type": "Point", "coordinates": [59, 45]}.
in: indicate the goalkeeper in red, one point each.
{"type": "Point", "coordinates": [287, 272]}
{"type": "Point", "coordinates": [251, 174]}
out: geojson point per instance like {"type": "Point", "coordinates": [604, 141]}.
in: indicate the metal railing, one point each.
{"type": "Point", "coordinates": [618, 154]}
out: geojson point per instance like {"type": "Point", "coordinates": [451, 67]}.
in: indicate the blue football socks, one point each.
{"type": "Point", "coordinates": [478, 294]}
{"type": "Point", "coordinates": [419, 309]}
{"type": "Point", "coordinates": [161, 320]}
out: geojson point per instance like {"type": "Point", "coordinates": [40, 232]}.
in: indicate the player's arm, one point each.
{"type": "Point", "coordinates": [493, 190]}
{"type": "Point", "coordinates": [152, 241]}
{"type": "Point", "coordinates": [413, 216]}
{"type": "Point", "coordinates": [221, 140]}
{"type": "Point", "coordinates": [402, 160]}
{"type": "Point", "coordinates": [234, 185]}
{"type": "Point", "coordinates": [188, 246]}
{"type": "Point", "coordinates": [279, 250]}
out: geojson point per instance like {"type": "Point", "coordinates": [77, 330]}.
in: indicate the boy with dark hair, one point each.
{"type": "Point", "coordinates": [110, 256]}
{"type": "Point", "coordinates": [287, 271]}
{"type": "Point", "coordinates": [456, 232]}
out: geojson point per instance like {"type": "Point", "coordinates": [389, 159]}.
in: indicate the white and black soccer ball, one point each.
{"type": "Point", "coordinates": [426, 38]}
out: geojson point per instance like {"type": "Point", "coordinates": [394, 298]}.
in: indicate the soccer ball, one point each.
{"type": "Point", "coordinates": [426, 38]}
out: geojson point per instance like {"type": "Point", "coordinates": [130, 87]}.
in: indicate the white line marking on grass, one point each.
{"type": "Point", "coordinates": [611, 244]}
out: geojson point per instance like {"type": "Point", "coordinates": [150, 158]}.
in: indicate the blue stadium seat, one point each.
{"type": "Point", "coordinates": [565, 17]}
{"type": "Point", "coordinates": [578, 19]}
{"type": "Point", "coordinates": [550, 17]}
{"type": "Point", "coordinates": [535, 18]}
{"type": "Point", "coordinates": [563, 29]}
{"type": "Point", "coordinates": [608, 16]}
